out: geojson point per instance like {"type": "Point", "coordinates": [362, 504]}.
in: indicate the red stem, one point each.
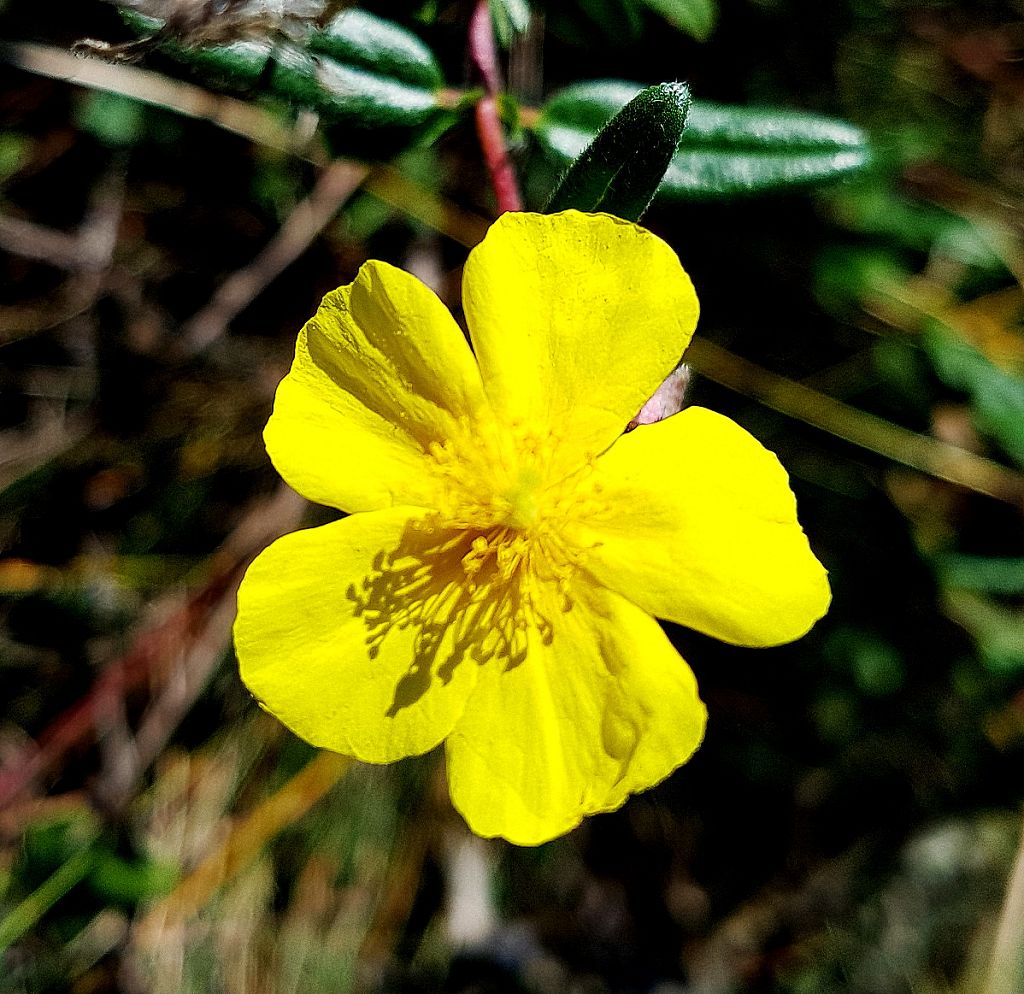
{"type": "Point", "coordinates": [499, 165]}
{"type": "Point", "coordinates": [79, 722]}
{"type": "Point", "coordinates": [482, 48]}
{"type": "Point", "coordinates": [484, 53]}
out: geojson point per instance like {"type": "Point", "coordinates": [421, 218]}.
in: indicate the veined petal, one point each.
{"type": "Point", "coordinates": [575, 320]}
{"type": "Point", "coordinates": [702, 530]}
{"type": "Point", "coordinates": [380, 372]}
{"type": "Point", "coordinates": [601, 706]}
{"type": "Point", "coordinates": [347, 633]}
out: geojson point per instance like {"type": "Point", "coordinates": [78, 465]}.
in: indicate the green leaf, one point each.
{"type": "Point", "coordinates": [113, 119]}
{"type": "Point", "coordinates": [998, 630]}
{"type": "Point", "coordinates": [695, 17]}
{"type": "Point", "coordinates": [620, 170]}
{"type": "Point", "coordinates": [724, 152]}
{"type": "Point", "coordinates": [238, 66]}
{"type": "Point", "coordinates": [375, 85]}
{"type": "Point", "coordinates": [129, 882]}
{"type": "Point", "coordinates": [381, 48]}
{"type": "Point", "coordinates": [873, 207]}
{"type": "Point", "coordinates": [997, 396]}
{"type": "Point", "coordinates": [987, 574]}
{"type": "Point", "coordinates": [511, 18]}
{"type": "Point", "coordinates": [349, 95]}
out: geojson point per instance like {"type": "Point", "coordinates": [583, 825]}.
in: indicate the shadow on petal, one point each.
{"type": "Point", "coordinates": [458, 608]}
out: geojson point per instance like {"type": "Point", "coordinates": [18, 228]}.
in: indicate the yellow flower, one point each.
{"type": "Point", "coordinates": [507, 544]}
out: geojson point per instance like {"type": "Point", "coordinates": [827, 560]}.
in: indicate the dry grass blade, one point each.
{"type": "Point", "coordinates": [251, 122]}
{"type": "Point", "coordinates": [927, 455]}
{"type": "Point", "coordinates": [1006, 966]}
{"type": "Point", "coordinates": [394, 188]}
{"type": "Point", "coordinates": [248, 838]}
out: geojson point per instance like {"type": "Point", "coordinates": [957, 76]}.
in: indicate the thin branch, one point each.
{"type": "Point", "coordinates": [335, 185]}
{"type": "Point", "coordinates": [51, 432]}
{"type": "Point", "coordinates": [483, 49]}
{"type": "Point", "coordinates": [33, 241]}
{"type": "Point", "coordinates": [499, 165]}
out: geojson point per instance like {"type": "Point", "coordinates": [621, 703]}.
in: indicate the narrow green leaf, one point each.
{"type": "Point", "coordinates": [375, 85]}
{"type": "Point", "coordinates": [986, 574]}
{"type": "Point", "coordinates": [345, 94]}
{"type": "Point", "coordinates": [130, 881]}
{"type": "Point", "coordinates": [695, 17]}
{"type": "Point", "coordinates": [998, 630]}
{"type": "Point", "coordinates": [21, 919]}
{"type": "Point", "coordinates": [240, 66]}
{"type": "Point", "coordinates": [621, 169]}
{"type": "Point", "coordinates": [511, 18]}
{"type": "Point", "coordinates": [725, 151]}
{"type": "Point", "coordinates": [382, 48]}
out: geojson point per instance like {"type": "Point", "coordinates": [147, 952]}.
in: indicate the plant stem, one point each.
{"type": "Point", "coordinates": [484, 54]}
{"type": "Point", "coordinates": [499, 165]}
{"type": "Point", "coordinates": [45, 896]}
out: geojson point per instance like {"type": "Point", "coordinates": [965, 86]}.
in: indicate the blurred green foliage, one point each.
{"type": "Point", "coordinates": [850, 821]}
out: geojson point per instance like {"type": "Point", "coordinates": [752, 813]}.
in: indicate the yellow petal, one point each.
{"type": "Point", "coordinates": [380, 372]}
{"type": "Point", "coordinates": [343, 634]}
{"type": "Point", "coordinates": [575, 320]}
{"type": "Point", "coordinates": [701, 529]}
{"type": "Point", "coordinates": [600, 707]}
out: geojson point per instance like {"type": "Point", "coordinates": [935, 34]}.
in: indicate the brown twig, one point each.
{"type": "Point", "coordinates": [484, 54]}
{"type": "Point", "coordinates": [335, 185]}
{"type": "Point", "coordinates": [34, 241]}
{"type": "Point", "coordinates": [50, 432]}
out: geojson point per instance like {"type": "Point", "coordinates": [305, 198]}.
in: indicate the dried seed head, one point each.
{"type": "Point", "coordinates": [195, 23]}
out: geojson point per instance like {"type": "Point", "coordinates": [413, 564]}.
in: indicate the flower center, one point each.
{"type": "Point", "coordinates": [515, 492]}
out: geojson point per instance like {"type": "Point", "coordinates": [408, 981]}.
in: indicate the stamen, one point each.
{"type": "Point", "coordinates": [512, 503]}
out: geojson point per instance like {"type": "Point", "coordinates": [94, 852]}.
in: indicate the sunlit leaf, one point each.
{"type": "Point", "coordinates": [511, 18]}
{"type": "Point", "coordinates": [725, 151]}
{"type": "Point", "coordinates": [695, 17]}
{"type": "Point", "coordinates": [621, 169]}
{"type": "Point", "coordinates": [360, 40]}
{"type": "Point", "coordinates": [375, 85]}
